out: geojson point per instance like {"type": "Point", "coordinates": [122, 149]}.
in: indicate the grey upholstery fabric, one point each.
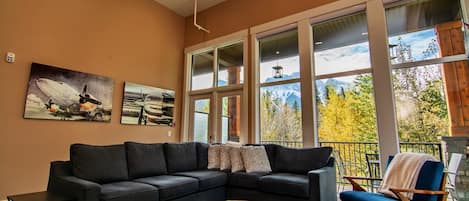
{"type": "Point", "coordinates": [205, 185]}
{"type": "Point", "coordinates": [100, 164]}
{"type": "Point", "coordinates": [245, 180]}
{"type": "Point", "coordinates": [216, 194]}
{"type": "Point", "coordinates": [207, 178]}
{"type": "Point", "coordinates": [301, 161]}
{"type": "Point", "coordinates": [202, 155]}
{"type": "Point", "coordinates": [145, 160]}
{"type": "Point", "coordinates": [181, 156]}
{"type": "Point", "coordinates": [171, 187]}
{"type": "Point", "coordinates": [323, 182]}
{"type": "Point", "coordinates": [234, 193]}
{"type": "Point", "coordinates": [127, 190]}
{"type": "Point", "coordinates": [285, 184]}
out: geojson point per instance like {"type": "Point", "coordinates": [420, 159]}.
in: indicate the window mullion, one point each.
{"type": "Point", "coordinates": [214, 132]}
{"type": "Point", "coordinates": [308, 102]}
{"type": "Point", "coordinates": [382, 79]}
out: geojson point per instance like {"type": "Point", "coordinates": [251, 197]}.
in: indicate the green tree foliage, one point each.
{"type": "Point", "coordinates": [348, 115]}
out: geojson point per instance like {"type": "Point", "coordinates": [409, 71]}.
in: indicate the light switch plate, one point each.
{"type": "Point", "coordinates": [10, 57]}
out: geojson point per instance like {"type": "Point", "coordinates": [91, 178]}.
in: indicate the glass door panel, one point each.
{"type": "Point", "coordinates": [230, 117]}
{"type": "Point", "coordinates": [200, 120]}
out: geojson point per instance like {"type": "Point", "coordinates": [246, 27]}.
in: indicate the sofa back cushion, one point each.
{"type": "Point", "coordinates": [181, 156]}
{"type": "Point", "coordinates": [145, 160]}
{"type": "Point", "coordinates": [101, 164]}
{"type": "Point", "coordinates": [301, 161]}
{"type": "Point", "coordinates": [202, 155]}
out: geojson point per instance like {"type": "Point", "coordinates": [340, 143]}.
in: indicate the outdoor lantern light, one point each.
{"type": "Point", "coordinates": [392, 51]}
{"type": "Point", "coordinates": [277, 71]}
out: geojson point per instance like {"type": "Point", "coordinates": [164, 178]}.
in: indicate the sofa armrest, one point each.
{"type": "Point", "coordinates": [322, 184]}
{"type": "Point", "coordinates": [74, 187]}
{"type": "Point", "coordinates": [62, 182]}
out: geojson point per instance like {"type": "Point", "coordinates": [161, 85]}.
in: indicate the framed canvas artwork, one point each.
{"type": "Point", "coordinates": [146, 105]}
{"type": "Point", "coordinates": [60, 94]}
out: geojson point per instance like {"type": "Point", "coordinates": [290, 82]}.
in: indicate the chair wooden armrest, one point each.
{"type": "Point", "coordinates": [355, 185]}
{"type": "Point", "coordinates": [398, 192]}
{"type": "Point", "coordinates": [362, 178]}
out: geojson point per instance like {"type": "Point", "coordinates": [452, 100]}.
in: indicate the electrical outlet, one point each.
{"type": "Point", "coordinates": [10, 57]}
{"type": "Point", "coordinates": [170, 133]}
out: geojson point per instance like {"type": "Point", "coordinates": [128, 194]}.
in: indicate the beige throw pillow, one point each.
{"type": "Point", "coordinates": [255, 159]}
{"type": "Point", "coordinates": [213, 157]}
{"type": "Point", "coordinates": [236, 159]}
{"type": "Point", "coordinates": [225, 163]}
{"type": "Point", "coordinates": [225, 159]}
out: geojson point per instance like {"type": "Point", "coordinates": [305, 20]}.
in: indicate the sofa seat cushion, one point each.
{"type": "Point", "coordinates": [171, 187]}
{"type": "Point", "coordinates": [245, 180]}
{"type": "Point", "coordinates": [128, 191]}
{"type": "Point", "coordinates": [207, 178]}
{"type": "Point", "coordinates": [285, 184]}
{"type": "Point", "coordinates": [363, 196]}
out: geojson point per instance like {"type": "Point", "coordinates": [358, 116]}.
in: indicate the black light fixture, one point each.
{"type": "Point", "coordinates": [277, 71]}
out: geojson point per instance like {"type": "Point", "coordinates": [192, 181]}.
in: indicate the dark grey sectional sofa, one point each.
{"type": "Point", "coordinates": [178, 172]}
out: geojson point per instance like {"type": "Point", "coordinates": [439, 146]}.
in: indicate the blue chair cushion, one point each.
{"type": "Point", "coordinates": [430, 177]}
{"type": "Point", "coordinates": [364, 196]}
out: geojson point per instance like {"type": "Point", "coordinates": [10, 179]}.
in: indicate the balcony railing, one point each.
{"type": "Point", "coordinates": [351, 156]}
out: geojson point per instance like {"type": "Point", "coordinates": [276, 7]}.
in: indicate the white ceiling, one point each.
{"type": "Point", "coordinates": [186, 7]}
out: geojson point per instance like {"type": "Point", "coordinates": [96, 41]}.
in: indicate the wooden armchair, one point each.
{"type": "Point", "coordinates": [430, 187]}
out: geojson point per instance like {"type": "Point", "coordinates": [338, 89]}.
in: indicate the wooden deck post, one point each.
{"type": "Point", "coordinates": [455, 76]}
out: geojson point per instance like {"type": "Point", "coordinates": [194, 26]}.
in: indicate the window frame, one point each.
{"type": "Point", "coordinates": [214, 92]}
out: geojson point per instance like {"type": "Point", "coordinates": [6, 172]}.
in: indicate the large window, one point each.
{"type": "Point", "coordinates": [344, 87]}
{"type": "Point", "coordinates": [423, 35]}
{"type": "Point", "coordinates": [216, 90]}
{"type": "Point", "coordinates": [280, 93]}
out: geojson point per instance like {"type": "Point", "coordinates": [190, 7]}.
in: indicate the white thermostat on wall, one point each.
{"type": "Point", "coordinates": [10, 57]}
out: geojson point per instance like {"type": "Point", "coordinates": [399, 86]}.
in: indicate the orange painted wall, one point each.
{"type": "Point", "coordinates": [127, 40]}
{"type": "Point", "coordinates": [235, 15]}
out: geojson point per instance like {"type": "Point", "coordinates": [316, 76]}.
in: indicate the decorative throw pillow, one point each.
{"type": "Point", "coordinates": [255, 159]}
{"type": "Point", "coordinates": [236, 159]}
{"type": "Point", "coordinates": [214, 157]}
{"type": "Point", "coordinates": [225, 161]}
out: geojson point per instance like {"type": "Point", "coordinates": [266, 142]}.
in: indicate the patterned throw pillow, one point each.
{"type": "Point", "coordinates": [225, 158]}
{"type": "Point", "coordinates": [225, 163]}
{"type": "Point", "coordinates": [255, 159]}
{"type": "Point", "coordinates": [214, 157]}
{"type": "Point", "coordinates": [236, 159]}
